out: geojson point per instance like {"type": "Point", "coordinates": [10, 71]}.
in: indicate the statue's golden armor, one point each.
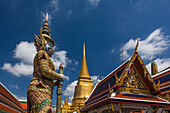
{"type": "Point", "coordinates": [41, 86]}
{"type": "Point", "coordinates": [39, 94]}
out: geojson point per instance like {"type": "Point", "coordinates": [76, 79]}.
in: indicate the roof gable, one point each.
{"type": "Point", "coordinates": [134, 80]}
{"type": "Point", "coordinates": [138, 70]}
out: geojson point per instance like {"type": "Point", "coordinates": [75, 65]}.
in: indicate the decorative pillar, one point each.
{"type": "Point", "coordinates": [59, 90]}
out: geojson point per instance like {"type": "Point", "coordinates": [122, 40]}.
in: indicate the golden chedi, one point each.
{"type": "Point", "coordinates": [84, 85]}
{"type": "Point", "coordinates": [66, 106]}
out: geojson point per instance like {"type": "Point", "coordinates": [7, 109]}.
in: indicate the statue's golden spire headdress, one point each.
{"type": "Point", "coordinates": [45, 35]}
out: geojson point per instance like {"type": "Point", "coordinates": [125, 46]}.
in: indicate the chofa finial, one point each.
{"type": "Point", "coordinates": [137, 44]}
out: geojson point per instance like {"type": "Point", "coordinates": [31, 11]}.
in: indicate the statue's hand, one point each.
{"type": "Point", "coordinates": [55, 83]}
{"type": "Point", "coordinates": [62, 76]}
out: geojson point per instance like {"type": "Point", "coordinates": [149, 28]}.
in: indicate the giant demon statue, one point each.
{"type": "Point", "coordinates": [39, 94]}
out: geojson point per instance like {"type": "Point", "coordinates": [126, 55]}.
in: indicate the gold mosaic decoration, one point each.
{"type": "Point", "coordinates": [133, 80]}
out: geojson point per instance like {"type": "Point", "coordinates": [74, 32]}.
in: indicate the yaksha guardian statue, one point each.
{"type": "Point", "coordinates": [39, 94]}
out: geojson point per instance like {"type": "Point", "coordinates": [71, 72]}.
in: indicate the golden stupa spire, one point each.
{"type": "Point", "coordinates": [84, 50]}
{"type": "Point", "coordinates": [66, 102]}
{"type": "Point", "coordinates": [84, 73]}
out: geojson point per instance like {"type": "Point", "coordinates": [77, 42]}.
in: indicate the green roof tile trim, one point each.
{"type": "Point", "coordinates": [10, 105]}
{"type": "Point", "coordinates": [1, 111]}
{"type": "Point", "coordinates": [22, 102]}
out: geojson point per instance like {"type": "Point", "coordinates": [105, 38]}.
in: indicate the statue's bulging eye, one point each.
{"type": "Point", "coordinates": [50, 44]}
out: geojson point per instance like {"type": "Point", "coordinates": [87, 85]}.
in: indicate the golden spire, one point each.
{"type": "Point", "coordinates": [84, 51]}
{"type": "Point", "coordinates": [84, 85]}
{"type": "Point", "coordinates": [66, 102]}
{"type": "Point", "coordinates": [84, 73]}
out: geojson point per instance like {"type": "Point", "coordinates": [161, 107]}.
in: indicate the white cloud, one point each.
{"type": "Point", "coordinates": [54, 5]}
{"type": "Point", "coordinates": [52, 8]}
{"type": "Point", "coordinates": [14, 86]}
{"type": "Point", "coordinates": [76, 62]}
{"type": "Point", "coordinates": [67, 77]}
{"type": "Point", "coordinates": [129, 45]}
{"type": "Point", "coordinates": [113, 50]}
{"type": "Point", "coordinates": [94, 78]}
{"type": "Point", "coordinates": [156, 43]}
{"type": "Point", "coordinates": [69, 91]}
{"type": "Point", "coordinates": [60, 57]}
{"type": "Point", "coordinates": [25, 52]}
{"type": "Point", "coordinates": [161, 64]}
{"type": "Point", "coordinates": [94, 2]}
{"type": "Point", "coordinates": [18, 69]}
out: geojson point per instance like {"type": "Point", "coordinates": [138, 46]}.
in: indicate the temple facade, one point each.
{"type": "Point", "coordinates": [129, 89]}
{"type": "Point", "coordinates": [82, 90]}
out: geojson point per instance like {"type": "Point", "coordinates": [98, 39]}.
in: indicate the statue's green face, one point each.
{"type": "Point", "coordinates": [49, 48]}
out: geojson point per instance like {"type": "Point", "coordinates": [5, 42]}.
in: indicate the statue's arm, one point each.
{"type": "Point", "coordinates": [46, 71]}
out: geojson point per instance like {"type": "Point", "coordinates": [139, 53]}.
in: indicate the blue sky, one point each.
{"type": "Point", "coordinates": [106, 26]}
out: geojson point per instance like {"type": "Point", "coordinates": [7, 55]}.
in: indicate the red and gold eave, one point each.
{"type": "Point", "coordinates": [8, 102]}
{"type": "Point", "coordinates": [102, 94]}
{"type": "Point", "coordinates": [128, 98]}
{"type": "Point", "coordinates": [164, 78]}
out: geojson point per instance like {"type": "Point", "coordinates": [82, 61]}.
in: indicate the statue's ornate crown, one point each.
{"type": "Point", "coordinates": [45, 35]}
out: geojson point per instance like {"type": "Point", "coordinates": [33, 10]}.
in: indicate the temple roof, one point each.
{"type": "Point", "coordinates": [107, 90]}
{"type": "Point", "coordinates": [164, 78]}
{"type": "Point", "coordinates": [102, 86]}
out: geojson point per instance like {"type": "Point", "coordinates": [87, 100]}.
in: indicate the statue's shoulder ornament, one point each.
{"type": "Point", "coordinates": [43, 55]}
